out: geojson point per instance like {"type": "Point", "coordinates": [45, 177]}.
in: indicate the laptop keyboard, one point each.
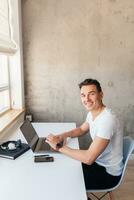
{"type": "Point", "coordinates": [42, 145]}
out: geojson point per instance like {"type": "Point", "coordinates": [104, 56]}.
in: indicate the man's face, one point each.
{"type": "Point", "coordinates": [91, 97]}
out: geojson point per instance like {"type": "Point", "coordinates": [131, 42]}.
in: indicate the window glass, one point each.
{"type": "Point", "coordinates": [3, 70]}
{"type": "Point", "coordinates": [4, 101]}
{"type": "Point", "coordinates": [4, 84]}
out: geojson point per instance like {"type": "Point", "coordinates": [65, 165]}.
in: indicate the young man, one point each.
{"type": "Point", "coordinates": [102, 161]}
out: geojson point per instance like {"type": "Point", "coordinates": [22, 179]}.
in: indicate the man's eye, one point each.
{"type": "Point", "coordinates": [92, 93]}
{"type": "Point", "coordinates": [82, 95]}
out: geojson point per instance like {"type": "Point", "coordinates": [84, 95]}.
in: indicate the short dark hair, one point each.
{"type": "Point", "coordinates": [91, 82]}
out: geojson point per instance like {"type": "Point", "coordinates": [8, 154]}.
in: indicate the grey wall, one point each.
{"type": "Point", "coordinates": [66, 41]}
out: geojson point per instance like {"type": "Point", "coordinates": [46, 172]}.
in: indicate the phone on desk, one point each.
{"type": "Point", "coordinates": [43, 158]}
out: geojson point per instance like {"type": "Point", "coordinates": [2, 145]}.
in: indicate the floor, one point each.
{"type": "Point", "coordinates": [126, 189]}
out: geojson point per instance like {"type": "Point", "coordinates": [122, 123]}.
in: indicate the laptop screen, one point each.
{"type": "Point", "coordinates": [29, 134]}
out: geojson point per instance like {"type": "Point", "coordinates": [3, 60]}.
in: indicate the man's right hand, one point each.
{"type": "Point", "coordinates": [60, 138]}
{"type": "Point", "coordinates": [57, 138]}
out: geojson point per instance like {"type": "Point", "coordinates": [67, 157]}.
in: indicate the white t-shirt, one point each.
{"type": "Point", "coordinates": [107, 125]}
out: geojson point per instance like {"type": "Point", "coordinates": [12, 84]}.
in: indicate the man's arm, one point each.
{"type": "Point", "coordinates": [83, 129]}
{"type": "Point", "coordinates": [87, 156]}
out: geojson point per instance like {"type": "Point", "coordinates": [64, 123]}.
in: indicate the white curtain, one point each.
{"type": "Point", "coordinates": [7, 44]}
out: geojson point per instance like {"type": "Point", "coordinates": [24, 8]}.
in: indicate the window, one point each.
{"type": "Point", "coordinates": [4, 84]}
{"type": "Point", "coordinates": [11, 61]}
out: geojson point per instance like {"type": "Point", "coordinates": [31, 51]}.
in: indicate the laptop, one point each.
{"type": "Point", "coordinates": [36, 143]}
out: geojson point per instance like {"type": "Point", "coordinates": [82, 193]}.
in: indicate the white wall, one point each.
{"type": "Point", "coordinates": [68, 41]}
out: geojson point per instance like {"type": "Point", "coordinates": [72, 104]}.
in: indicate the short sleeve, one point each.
{"type": "Point", "coordinates": [106, 128]}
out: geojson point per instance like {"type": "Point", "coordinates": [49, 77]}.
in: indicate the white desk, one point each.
{"type": "Point", "coordinates": [22, 179]}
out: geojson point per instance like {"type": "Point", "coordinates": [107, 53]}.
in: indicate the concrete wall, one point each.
{"type": "Point", "coordinates": [66, 41]}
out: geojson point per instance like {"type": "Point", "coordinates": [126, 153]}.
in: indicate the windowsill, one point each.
{"type": "Point", "coordinates": [9, 117]}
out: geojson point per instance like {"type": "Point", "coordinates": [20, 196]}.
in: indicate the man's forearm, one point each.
{"type": "Point", "coordinates": [74, 133]}
{"type": "Point", "coordinates": [81, 155]}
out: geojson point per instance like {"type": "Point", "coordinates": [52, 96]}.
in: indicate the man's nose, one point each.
{"type": "Point", "coordinates": [87, 98]}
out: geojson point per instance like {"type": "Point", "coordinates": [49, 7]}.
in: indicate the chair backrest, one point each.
{"type": "Point", "coordinates": [128, 147]}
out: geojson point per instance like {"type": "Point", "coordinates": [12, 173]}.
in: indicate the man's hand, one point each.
{"type": "Point", "coordinates": [53, 140]}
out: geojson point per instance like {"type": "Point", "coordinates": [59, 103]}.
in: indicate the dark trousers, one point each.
{"type": "Point", "coordinates": [96, 177]}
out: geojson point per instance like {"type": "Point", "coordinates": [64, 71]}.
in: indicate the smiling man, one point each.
{"type": "Point", "coordinates": [102, 161]}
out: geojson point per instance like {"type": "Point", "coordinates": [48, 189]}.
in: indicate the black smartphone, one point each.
{"type": "Point", "coordinates": [43, 158]}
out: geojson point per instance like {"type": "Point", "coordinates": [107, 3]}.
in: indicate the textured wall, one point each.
{"type": "Point", "coordinates": [66, 41]}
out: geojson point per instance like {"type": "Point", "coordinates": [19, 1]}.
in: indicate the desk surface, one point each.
{"type": "Point", "coordinates": [25, 180]}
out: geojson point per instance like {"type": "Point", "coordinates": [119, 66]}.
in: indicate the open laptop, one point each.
{"type": "Point", "coordinates": [38, 145]}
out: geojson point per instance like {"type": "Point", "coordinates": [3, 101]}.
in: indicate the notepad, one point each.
{"type": "Point", "coordinates": [13, 154]}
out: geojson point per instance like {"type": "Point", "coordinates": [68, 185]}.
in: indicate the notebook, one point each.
{"type": "Point", "coordinates": [13, 154]}
{"type": "Point", "coordinates": [36, 143]}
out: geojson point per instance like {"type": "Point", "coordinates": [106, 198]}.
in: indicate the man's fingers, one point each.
{"type": "Point", "coordinates": [47, 141]}
{"type": "Point", "coordinates": [50, 136]}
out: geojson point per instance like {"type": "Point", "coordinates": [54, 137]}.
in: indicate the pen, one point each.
{"type": "Point", "coordinates": [42, 155]}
